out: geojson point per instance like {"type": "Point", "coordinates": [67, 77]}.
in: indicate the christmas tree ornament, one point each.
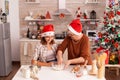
{"type": "Point", "coordinates": [78, 13]}
{"type": "Point", "coordinates": [113, 58]}
{"type": "Point", "coordinates": [48, 15]}
{"type": "Point", "coordinates": [110, 6]}
{"type": "Point", "coordinates": [118, 12]}
{"type": "Point", "coordinates": [84, 15]}
{"type": "Point", "coordinates": [110, 25]}
{"type": "Point", "coordinates": [119, 21]}
{"type": "Point", "coordinates": [119, 35]}
{"type": "Point", "coordinates": [104, 22]}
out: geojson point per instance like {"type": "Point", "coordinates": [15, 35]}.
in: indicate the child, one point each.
{"type": "Point", "coordinates": [45, 52]}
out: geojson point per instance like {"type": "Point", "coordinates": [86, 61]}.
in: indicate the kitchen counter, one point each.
{"type": "Point", "coordinates": [27, 39]}
{"type": "Point", "coordinates": [51, 74]}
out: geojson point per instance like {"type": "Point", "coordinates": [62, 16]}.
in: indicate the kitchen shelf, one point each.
{"type": "Point", "coordinates": [32, 2]}
{"type": "Point", "coordinates": [43, 20]}
{"type": "Point", "coordinates": [74, 2]}
{"type": "Point", "coordinates": [93, 2]}
{"type": "Point", "coordinates": [92, 20]}
{"type": "Point", "coordinates": [111, 65]}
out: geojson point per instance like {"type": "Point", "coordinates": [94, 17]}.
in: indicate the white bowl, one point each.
{"type": "Point", "coordinates": [57, 67]}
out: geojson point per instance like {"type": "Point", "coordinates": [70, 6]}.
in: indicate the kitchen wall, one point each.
{"type": "Point", "coordinates": [14, 28]}
{"type": "Point", "coordinates": [52, 6]}
{"type": "Point", "coordinates": [2, 4]}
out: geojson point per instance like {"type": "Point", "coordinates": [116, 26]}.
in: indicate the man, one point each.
{"type": "Point", "coordinates": [77, 44]}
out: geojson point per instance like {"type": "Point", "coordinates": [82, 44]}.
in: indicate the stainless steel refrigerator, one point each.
{"type": "Point", "coordinates": [5, 50]}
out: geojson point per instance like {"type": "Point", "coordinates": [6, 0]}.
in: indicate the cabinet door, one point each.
{"type": "Point", "coordinates": [26, 51]}
{"type": "Point", "coordinates": [23, 53]}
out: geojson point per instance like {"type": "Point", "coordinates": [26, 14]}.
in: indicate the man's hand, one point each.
{"type": "Point", "coordinates": [67, 64]}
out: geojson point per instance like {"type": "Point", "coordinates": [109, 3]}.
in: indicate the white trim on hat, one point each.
{"type": "Point", "coordinates": [73, 31]}
{"type": "Point", "coordinates": [50, 33]}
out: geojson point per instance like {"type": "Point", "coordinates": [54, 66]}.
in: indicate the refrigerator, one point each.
{"type": "Point", "coordinates": [5, 49]}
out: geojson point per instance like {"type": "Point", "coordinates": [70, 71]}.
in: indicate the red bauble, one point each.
{"type": "Point", "coordinates": [113, 29]}
{"type": "Point", "coordinates": [104, 22]}
{"type": "Point", "coordinates": [110, 5]}
{"type": "Point", "coordinates": [118, 12]}
{"type": "Point", "coordinates": [112, 41]}
{"type": "Point", "coordinates": [105, 17]}
{"type": "Point", "coordinates": [116, 44]}
{"type": "Point", "coordinates": [111, 15]}
{"type": "Point", "coordinates": [119, 21]}
{"type": "Point", "coordinates": [107, 40]}
{"type": "Point", "coordinates": [100, 35]}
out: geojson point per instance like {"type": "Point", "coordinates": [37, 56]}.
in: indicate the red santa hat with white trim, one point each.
{"type": "Point", "coordinates": [75, 27]}
{"type": "Point", "coordinates": [48, 30]}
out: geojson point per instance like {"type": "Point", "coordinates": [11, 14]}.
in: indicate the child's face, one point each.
{"type": "Point", "coordinates": [49, 38]}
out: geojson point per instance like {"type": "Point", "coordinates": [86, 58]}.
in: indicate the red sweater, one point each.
{"type": "Point", "coordinates": [78, 49]}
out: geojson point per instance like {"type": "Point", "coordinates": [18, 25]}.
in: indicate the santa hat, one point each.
{"type": "Point", "coordinates": [75, 27]}
{"type": "Point", "coordinates": [48, 30]}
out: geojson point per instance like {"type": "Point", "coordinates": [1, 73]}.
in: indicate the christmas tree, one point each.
{"type": "Point", "coordinates": [109, 36]}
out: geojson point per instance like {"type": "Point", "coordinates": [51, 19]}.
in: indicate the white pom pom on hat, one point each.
{"type": "Point", "coordinates": [48, 30]}
{"type": "Point", "coordinates": [75, 27]}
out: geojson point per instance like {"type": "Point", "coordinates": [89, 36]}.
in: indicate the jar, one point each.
{"type": "Point", "coordinates": [26, 72]}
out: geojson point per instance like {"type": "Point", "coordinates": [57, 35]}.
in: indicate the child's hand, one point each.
{"type": "Point", "coordinates": [34, 62]}
{"type": "Point", "coordinates": [50, 63]}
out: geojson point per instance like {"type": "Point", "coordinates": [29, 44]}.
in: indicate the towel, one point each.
{"type": "Point", "coordinates": [25, 48]}
{"type": "Point", "coordinates": [28, 49]}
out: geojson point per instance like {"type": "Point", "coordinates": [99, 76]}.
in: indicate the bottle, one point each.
{"type": "Point", "coordinates": [92, 14]}
{"type": "Point", "coordinates": [28, 33]}
{"type": "Point", "coordinates": [4, 18]}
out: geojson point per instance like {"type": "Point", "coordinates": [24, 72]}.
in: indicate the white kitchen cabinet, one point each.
{"type": "Point", "coordinates": [27, 47]}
